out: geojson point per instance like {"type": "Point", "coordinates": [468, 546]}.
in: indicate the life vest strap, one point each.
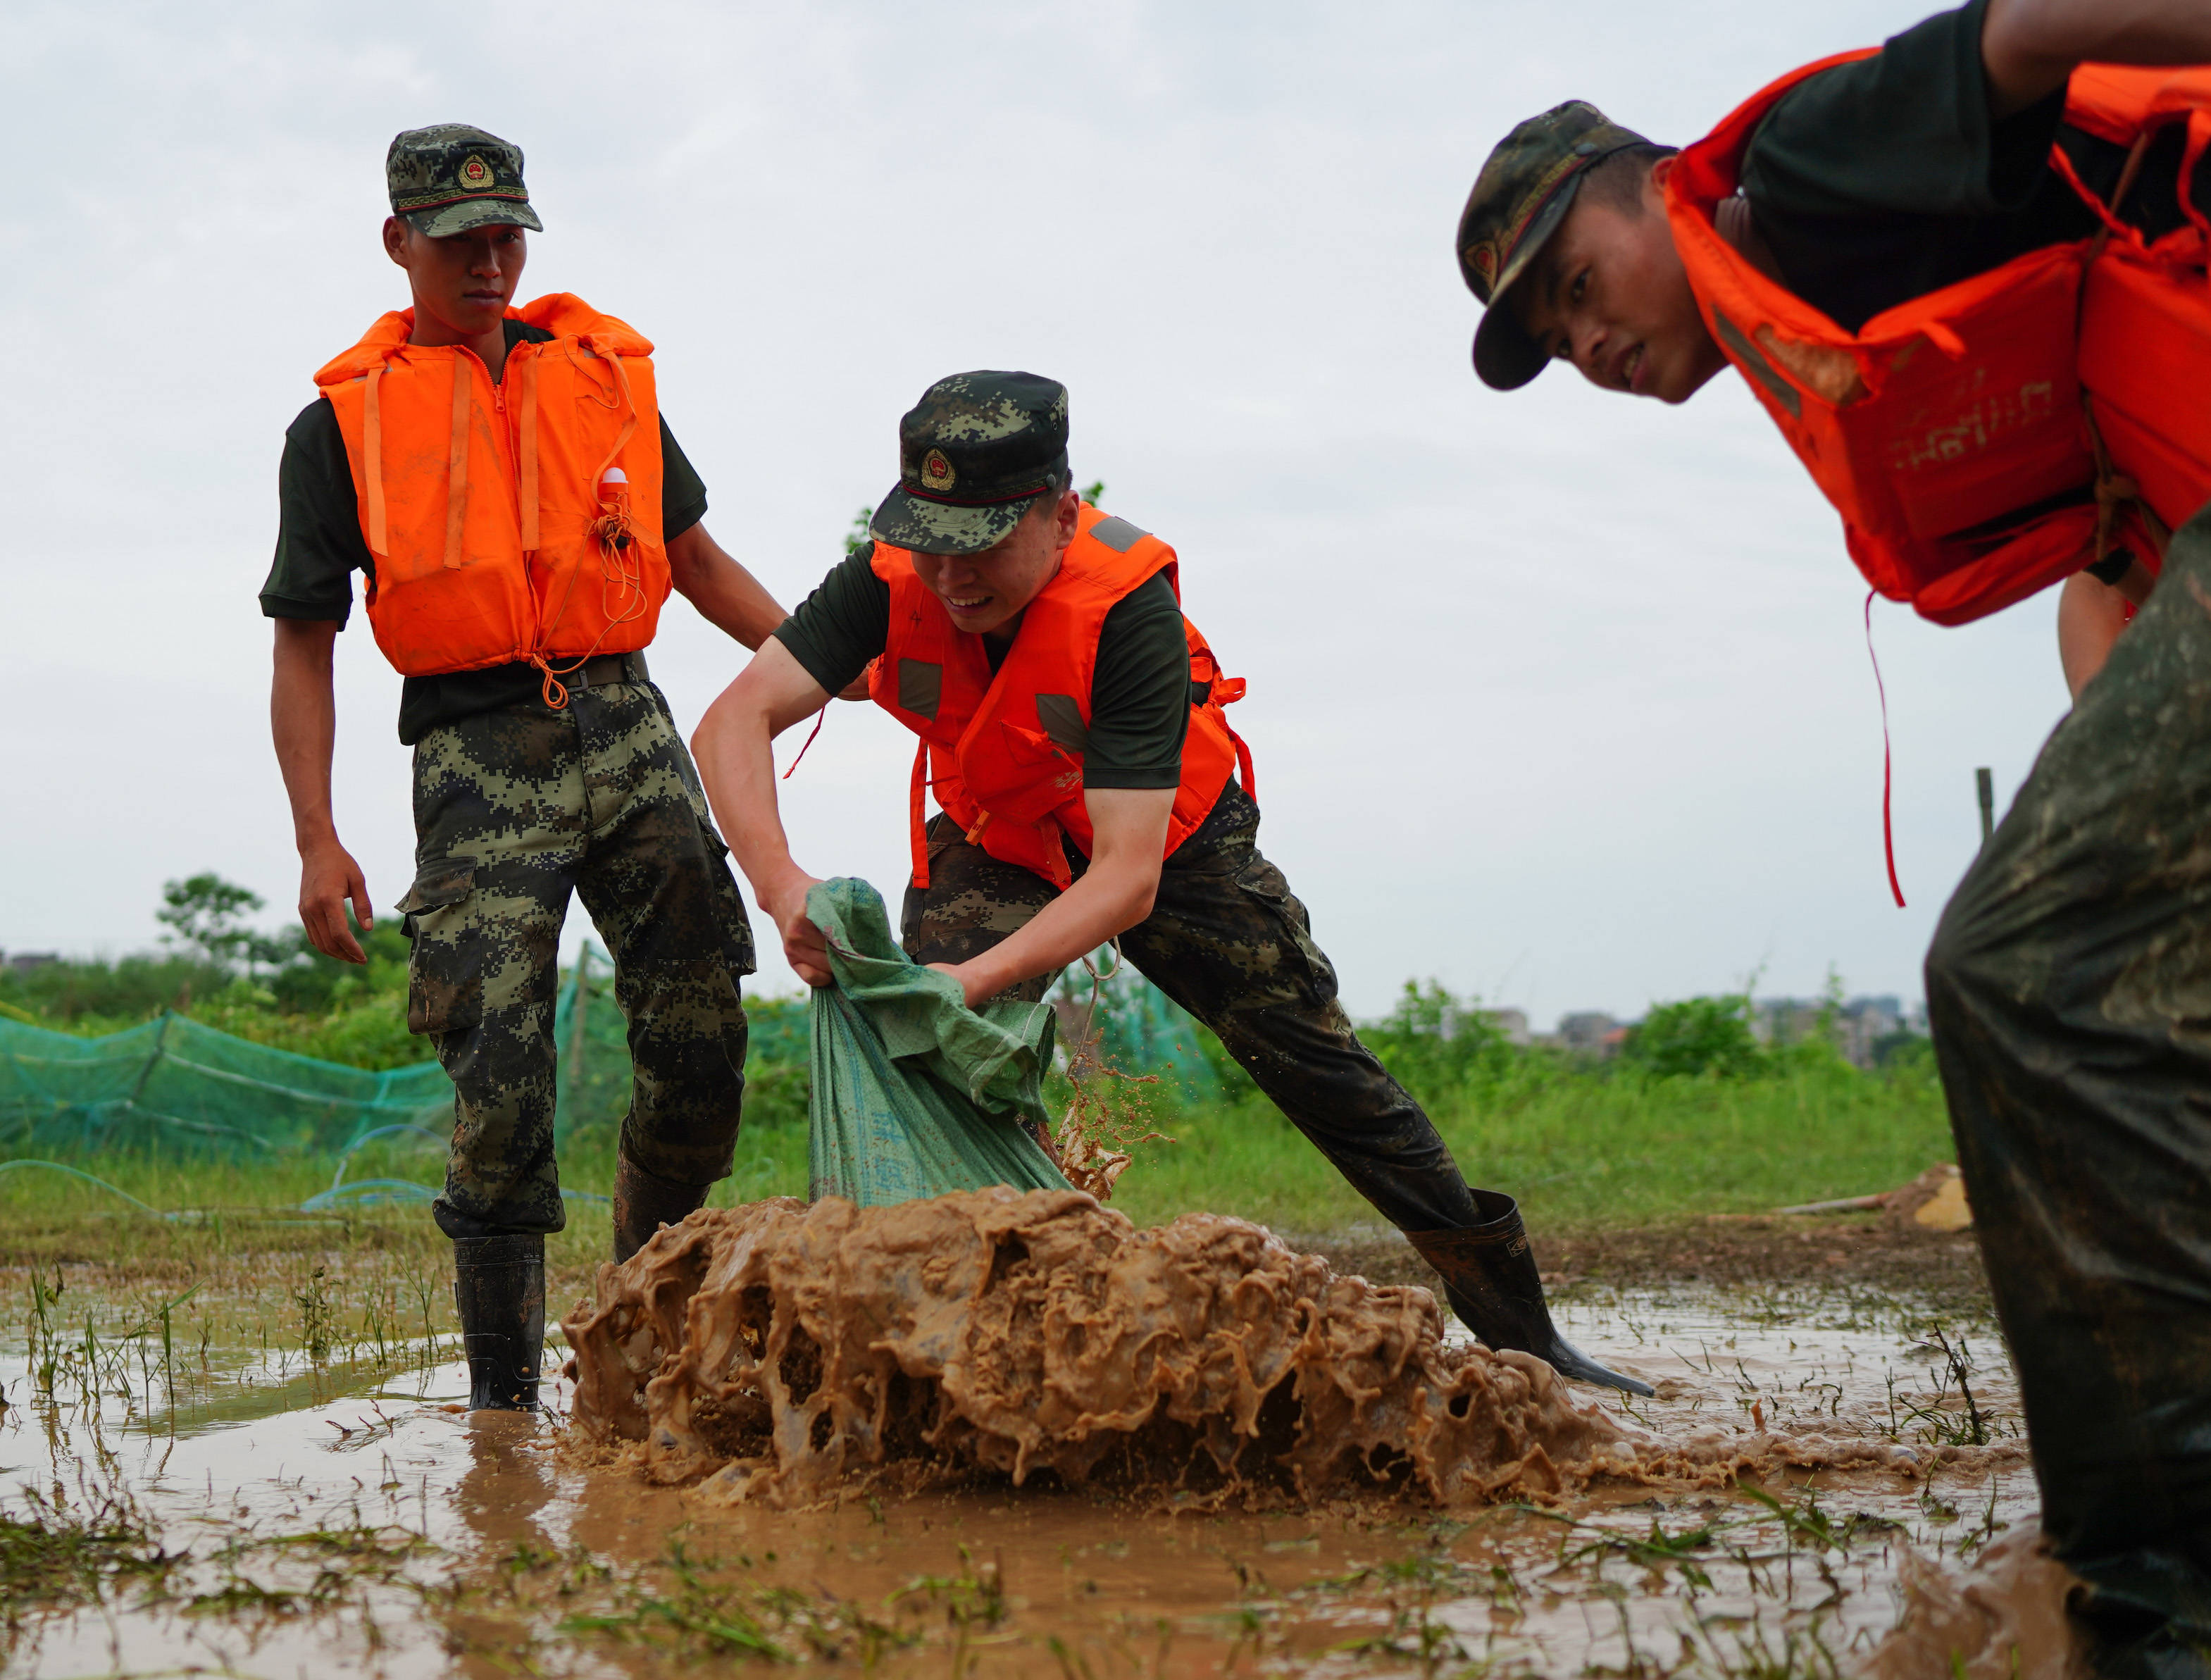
{"type": "Point", "coordinates": [456, 469]}
{"type": "Point", "coordinates": [1887, 828]}
{"type": "Point", "coordinates": [2117, 493]}
{"type": "Point", "coordinates": [379, 541]}
{"type": "Point", "coordinates": [2118, 496]}
{"type": "Point", "coordinates": [2199, 137]}
{"type": "Point", "coordinates": [920, 839]}
{"type": "Point", "coordinates": [819, 718]}
{"type": "Point", "coordinates": [528, 453]}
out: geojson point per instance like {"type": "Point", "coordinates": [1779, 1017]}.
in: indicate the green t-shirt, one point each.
{"type": "Point", "coordinates": [1888, 178]}
{"type": "Point", "coordinates": [319, 546]}
{"type": "Point", "coordinates": [1139, 690]}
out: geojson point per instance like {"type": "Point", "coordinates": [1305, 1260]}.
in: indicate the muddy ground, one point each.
{"type": "Point", "coordinates": [1870, 1251]}
{"type": "Point", "coordinates": [245, 1506]}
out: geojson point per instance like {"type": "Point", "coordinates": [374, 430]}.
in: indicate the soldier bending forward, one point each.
{"type": "Point", "coordinates": [1071, 728]}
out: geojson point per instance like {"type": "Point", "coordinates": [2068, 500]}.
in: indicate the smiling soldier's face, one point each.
{"type": "Point", "coordinates": [985, 592]}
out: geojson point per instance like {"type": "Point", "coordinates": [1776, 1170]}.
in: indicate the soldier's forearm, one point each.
{"type": "Point", "coordinates": [2029, 47]}
{"type": "Point", "coordinates": [1106, 902]}
{"type": "Point", "coordinates": [726, 594]}
{"type": "Point", "coordinates": [734, 748]}
{"type": "Point", "coordinates": [303, 722]}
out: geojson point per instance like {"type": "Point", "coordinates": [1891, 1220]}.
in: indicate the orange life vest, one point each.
{"type": "Point", "coordinates": [1004, 752]}
{"type": "Point", "coordinates": [1991, 438]}
{"type": "Point", "coordinates": [495, 534]}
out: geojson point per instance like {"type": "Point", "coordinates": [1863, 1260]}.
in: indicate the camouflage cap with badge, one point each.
{"type": "Point", "coordinates": [449, 178]}
{"type": "Point", "coordinates": [1519, 201]}
{"type": "Point", "coordinates": [975, 454]}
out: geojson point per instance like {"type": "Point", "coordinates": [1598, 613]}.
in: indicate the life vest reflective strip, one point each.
{"type": "Point", "coordinates": [495, 535]}
{"type": "Point", "coordinates": [1003, 751]}
{"type": "Point", "coordinates": [1959, 434]}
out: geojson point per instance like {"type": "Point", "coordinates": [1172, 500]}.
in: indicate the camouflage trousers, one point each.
{"type": "Point", "coordinates": [2069, 990]}
{"type": "Point", "coordinates": [1228, 940]}
{"type": "Point", "coordinates": [514, 809]}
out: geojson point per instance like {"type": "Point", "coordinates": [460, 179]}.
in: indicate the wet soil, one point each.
{"type": "Point", "coordinates": [341, 1518]}
{"type": "Point", "coordinates": [1870, 1251]}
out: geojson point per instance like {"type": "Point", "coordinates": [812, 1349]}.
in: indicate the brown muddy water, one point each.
{"type": "Point", "coordinates": [230, 1506]}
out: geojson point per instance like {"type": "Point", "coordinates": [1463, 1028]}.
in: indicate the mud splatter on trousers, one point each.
{"type": "Point", "coordinates": [2069, 990]}
{"type": "Point", "coordinates": [1228, 940]}
{"type": "Point", "coordinates": [515, 808]}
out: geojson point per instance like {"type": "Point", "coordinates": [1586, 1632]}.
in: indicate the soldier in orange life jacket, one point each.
{"type": "Point", "coordinates": [503, 480]}
{"type": "Point", "coordinates": [1966, 276]}
{"type": "Point", "coordinates": [1071, 728]}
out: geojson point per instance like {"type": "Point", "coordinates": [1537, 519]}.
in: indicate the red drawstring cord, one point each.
{"type": "Point", "coordinates": [1887, 830]}
{"type": "Point", "coordinates": [819, 718]}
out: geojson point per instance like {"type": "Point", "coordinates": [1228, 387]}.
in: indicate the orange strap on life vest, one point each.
{"type": "Point", "coordinates": [1888, 829]}
{"type": "Point", "coordinates": [527, 452]}
{"type": "Point", "coordinates": [457, 467]}
{"type": "Point", "coordinates": [918, 828]}
{"type": "Point", "coordinates": [1227, 691]}
{"type": "Point", "coordinates": [379, 540]}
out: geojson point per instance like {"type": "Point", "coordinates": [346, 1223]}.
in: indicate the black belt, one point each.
{"type": "Point", "coordinates": [607, 668]}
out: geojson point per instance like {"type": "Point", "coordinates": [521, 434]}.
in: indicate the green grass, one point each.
{"type": "Point", "coordinates": [1697, 1118]}
{"type": "Point", "coordinates": [1579, 1150]}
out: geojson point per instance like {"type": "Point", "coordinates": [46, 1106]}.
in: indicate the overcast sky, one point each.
{"type": "Point", "coordinates": [1562, 697]}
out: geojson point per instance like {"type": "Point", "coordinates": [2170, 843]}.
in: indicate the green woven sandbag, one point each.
{"type": "Point", "coordinates": [914, 1093]}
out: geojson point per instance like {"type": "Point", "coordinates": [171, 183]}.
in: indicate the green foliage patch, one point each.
{"type": "Point", "coordinates": [1695, 1115]}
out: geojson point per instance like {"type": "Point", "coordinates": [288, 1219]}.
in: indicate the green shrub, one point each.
{"type": "Point", "coordinates": [1697, 1036]}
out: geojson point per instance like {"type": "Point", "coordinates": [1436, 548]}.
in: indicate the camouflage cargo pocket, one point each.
{"type": "Point", "coordinates": [1285, 963]}
{"type": "Point", "coordinates": [732, 926]}
{"type": "Point", "coordinates": [444, 971]}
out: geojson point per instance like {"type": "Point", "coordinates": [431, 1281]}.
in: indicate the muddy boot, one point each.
{"type": "Point", "coordinates": [643, 1204]}
{"type": "Point", "coordinates": [498, 1287]}
{"type": "Point", "coordinates": [1490, 1279]}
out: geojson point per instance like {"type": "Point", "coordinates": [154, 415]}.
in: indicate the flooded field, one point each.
{"type": "Point", "coordinates": [266, 1471]}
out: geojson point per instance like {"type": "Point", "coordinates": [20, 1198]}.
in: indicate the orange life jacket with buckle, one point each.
{"type": "Point", "coordinates": [497, 534]}
{"type": "Point", "coordinates": [1987, 440]}
{"type": "Point", "coordinates": [1003, 752]}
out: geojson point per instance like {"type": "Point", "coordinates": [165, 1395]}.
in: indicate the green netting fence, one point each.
{"type": "Point", "coordinates": [179, 1088]}
{"type": "Point", "coordinates": [175, 1087]}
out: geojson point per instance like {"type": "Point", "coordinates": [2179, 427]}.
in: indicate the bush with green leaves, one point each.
{"type": "Point", "coordinates": [1697, 1036]}
{"type": "Point", "coordinates": [1440, 1046]}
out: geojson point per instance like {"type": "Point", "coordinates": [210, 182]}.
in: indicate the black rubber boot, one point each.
{"type": "Point", "coordinates": [1490, 1279]}
{"type": "Point", "coordinates": [643, 1204]}
{"type": "Point", "coordinates": [498, 1287]}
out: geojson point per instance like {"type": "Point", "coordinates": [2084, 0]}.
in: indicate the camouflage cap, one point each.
{"type": "Point", "coordinates": [450, 177]}
{"type": "Point", "coordinates": [1519, 201]}
{"type": "Point", "coordinates": [975, 454]}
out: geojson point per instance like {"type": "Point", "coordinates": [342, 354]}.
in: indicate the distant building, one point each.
{"type": "Point", "coordinates": [23, 962]}
{"type": "Point", "coordinates": [1590, 1033]}
{"type": "Point", "coordinates": [1513, 1023]}
{"type": "Point", "coordinates": [1865, 1029]}
{"type": "Point", "coordinates": [1865, 1025]}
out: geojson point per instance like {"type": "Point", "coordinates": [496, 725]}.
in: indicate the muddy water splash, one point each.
{"type": "Point", "coordinates": [2006, 1619]}
{"type": "Point", "coordinates": [777, 1349]}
